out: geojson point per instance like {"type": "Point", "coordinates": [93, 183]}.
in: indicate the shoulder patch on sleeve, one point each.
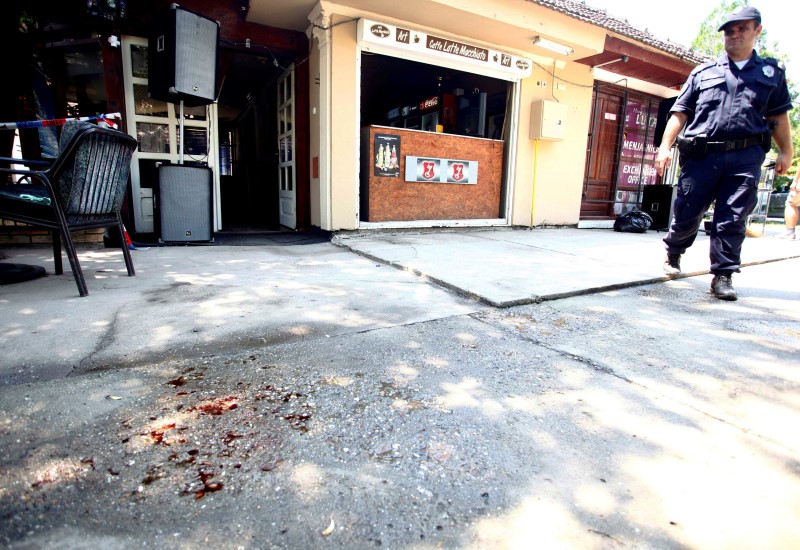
{"type": "Point", "coordinates": [776, 63]}
{"type": "Point", "coordinates": [703, 67]}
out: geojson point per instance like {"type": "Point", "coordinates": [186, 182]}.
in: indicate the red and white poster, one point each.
{"type": "Point", "coordinates": [437, 170]}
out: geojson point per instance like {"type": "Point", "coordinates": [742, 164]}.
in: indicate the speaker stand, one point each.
{"type": "Point", "coordinates": [180, 138]}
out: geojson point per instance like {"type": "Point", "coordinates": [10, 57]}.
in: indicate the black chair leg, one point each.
{"type": "Point", "coordinates": [57, 264]}
{"type": "Point", "coordinates": [72, 254]}
{"type": "Point", "coordinates": [125, 252]}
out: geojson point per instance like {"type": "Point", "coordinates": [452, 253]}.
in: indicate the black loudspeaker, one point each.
{"type": "Point", "coordinates": [657, 201]}
{"type": "Point", "coordinates": [185, 203]}
{"type": "Point", "coordinates": [471, 117]}
{"type": "Point", "coordinates": [182, 57]}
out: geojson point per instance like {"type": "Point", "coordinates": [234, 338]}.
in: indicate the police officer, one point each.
{"type": "Point", "coordinates": [731, 108]}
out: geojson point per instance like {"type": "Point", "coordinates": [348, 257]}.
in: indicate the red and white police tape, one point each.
{"type": "Point", "coordinates": [108, 119]}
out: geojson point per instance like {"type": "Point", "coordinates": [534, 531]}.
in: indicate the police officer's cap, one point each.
{"type": "Point", "coordinates": [742, 14]}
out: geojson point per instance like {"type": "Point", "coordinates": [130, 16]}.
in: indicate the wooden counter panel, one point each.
{"type": "Point", "coordinates": [394, 199]}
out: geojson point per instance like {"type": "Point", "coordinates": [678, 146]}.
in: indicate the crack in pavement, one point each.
{"type": "Point", "coordinates": [610, 371]}
{"type": "Point", "coordinates": [105, 340]}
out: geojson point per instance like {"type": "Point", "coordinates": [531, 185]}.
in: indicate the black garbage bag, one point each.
{"type": "Point", "coordinates": [634, 221]}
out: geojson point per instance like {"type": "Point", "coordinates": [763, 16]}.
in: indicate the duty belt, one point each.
{"type": "Point", "coordinates": [734, 144]}
{"type": "Point", "coordinates": [697, 146]}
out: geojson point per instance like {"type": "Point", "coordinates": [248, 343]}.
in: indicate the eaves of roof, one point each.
{"type": "Point", "coordinates": [601, 18]}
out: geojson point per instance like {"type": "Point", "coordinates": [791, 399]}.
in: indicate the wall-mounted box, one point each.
{"type": "Point", "coordinates": [548, 120]}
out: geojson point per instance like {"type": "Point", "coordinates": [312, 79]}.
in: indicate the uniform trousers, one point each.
{"type": "Point", "coordinates": [730, 180]}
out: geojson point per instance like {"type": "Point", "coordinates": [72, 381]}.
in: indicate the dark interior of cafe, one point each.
{"type": "Point", "coordinates": [394, 90]}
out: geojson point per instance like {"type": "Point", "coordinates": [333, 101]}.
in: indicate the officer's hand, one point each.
{"type": "Point", "coordinates": [782, 164]}
{"type": "Point", "coordinates": [663, 160]}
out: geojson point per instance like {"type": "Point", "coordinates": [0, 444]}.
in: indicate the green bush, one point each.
{"type": "Point", "coordinates": [781, 184]}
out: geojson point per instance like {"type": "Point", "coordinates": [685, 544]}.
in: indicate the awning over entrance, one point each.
{"type": "Point", "coordinates": [628, 59]}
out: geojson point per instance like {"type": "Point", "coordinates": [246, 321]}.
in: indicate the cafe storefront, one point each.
{"type": "Point", "coordinates": [477, 119]}
{"type": "Point", "coordinates": [455, 125]}
{"type": "Point", "coordinates": [436, 118]}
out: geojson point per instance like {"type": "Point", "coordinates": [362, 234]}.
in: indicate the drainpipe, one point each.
{"type": "Point", "coordinates": [535, 166]}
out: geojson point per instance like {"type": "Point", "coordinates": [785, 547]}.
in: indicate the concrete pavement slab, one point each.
{"type": "Point", "coordinates": [517, 428]}
{"type": "Point", "coordinates": [186, 300]}
{"type": "Point", "coordinates": [506, 267]}
{"type": "Point", "coordinates": [738, 361]}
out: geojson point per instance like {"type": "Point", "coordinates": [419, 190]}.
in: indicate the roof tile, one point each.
{"type": "Point", "coordinates": [601, 18]}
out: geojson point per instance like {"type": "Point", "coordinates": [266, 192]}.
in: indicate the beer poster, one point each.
{"type": "Point", "coordinates": [386, 155]}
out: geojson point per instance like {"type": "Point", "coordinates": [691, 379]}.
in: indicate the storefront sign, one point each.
{"type": "Point", "coordinates": [637, 117]}
{"type": "Point", "coordinates": [412, 41]}
{"type": "Point", "coordinates": [436, 170]}
{"type": "Point", "coordinates": [387, 155]}
{"type": "Point", "coordinates": [638, 154]}
{"type": "Point", "coordinates": [633, 145]}
{"type": "Point", "coordinates": [380, 31]}
{"type": "Point", "coordinates": [457, 48]}
{"type": "Point", "coordinates": [634, 174]}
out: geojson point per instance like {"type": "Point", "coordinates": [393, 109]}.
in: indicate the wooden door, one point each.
{"type": "Point", "coordinates": [602, 155]}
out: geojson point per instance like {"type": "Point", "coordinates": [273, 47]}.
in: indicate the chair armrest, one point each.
{"type": "Point", "coordinates": [20, 171]}
{"type": "Point", "coordinates": [11, 160]}
{"type": "Point", "coordinates": [40, 176]}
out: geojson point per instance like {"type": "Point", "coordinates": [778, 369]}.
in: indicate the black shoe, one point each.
{"type": "Point", "coordinates": [722, 287]}
{"type": "Point", "coordinates": [672, 265]}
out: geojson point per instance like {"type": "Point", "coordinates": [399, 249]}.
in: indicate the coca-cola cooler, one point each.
{"type": "Point", "coordinates": [438, 110]}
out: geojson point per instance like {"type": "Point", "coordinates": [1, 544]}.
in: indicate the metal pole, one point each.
{"type": "Point", "coordinates": [180, 148]}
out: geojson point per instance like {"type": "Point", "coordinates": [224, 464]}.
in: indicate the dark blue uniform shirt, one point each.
{"type": "Point", "coordinates": [725, 102]}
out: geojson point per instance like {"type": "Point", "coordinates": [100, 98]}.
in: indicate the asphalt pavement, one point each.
{"type": "Point", "coordinates": [445, 389]}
